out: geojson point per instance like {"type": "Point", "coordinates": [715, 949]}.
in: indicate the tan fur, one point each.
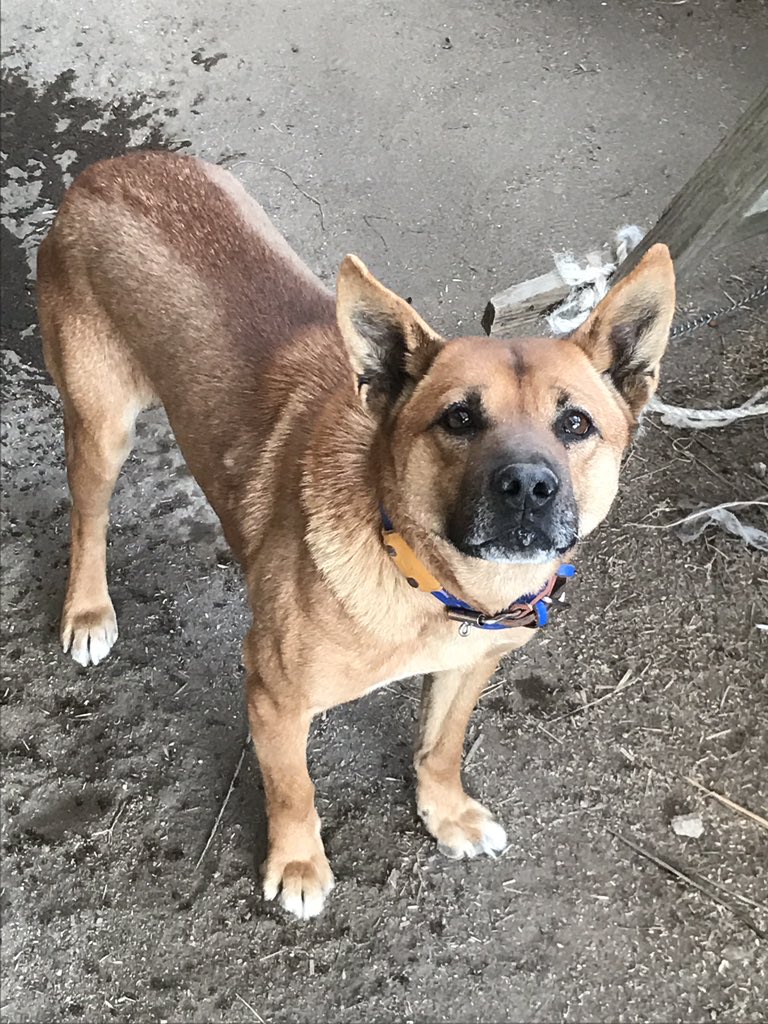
{"type": "Point", "coordinates": [162, 281]}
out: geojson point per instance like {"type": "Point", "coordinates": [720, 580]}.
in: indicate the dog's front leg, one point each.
{"type": "Point", "coordinates": [461, 825]}
{"type": "Point", "coordinates": [296, 865]}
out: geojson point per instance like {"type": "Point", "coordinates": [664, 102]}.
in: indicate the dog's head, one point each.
{"type": "Point", "coordinates": [509, 450]}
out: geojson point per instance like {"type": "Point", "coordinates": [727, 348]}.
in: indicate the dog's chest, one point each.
{"type": "Point", "coordinates": [449, 652]}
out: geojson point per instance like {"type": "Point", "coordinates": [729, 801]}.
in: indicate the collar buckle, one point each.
{"type": "Point", "coordinates": [468, 616]}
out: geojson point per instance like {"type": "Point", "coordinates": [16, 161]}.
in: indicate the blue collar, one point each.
{"type": "Point", "coordinates": [530, 610]}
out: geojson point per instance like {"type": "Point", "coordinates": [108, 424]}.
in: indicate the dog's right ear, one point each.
{"type": "Point", "coordinates": [389, 345]}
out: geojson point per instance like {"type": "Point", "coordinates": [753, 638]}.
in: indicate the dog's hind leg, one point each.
{"type": "Point", "coordinates": [96, 449]}
{"type": "Point", "coordinates": [102, 395]}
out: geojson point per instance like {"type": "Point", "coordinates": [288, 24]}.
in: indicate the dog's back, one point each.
{"type": "Point", "coordinates": [162, 281]}
{"type": "Point", "coordinates": [184, 263]}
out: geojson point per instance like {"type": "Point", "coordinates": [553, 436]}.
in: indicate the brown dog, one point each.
{"type": "Point", "coordinates": [313, 425]}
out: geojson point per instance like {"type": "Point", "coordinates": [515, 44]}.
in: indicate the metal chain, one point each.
{"type": "Point", "coordinates": [706, 318]}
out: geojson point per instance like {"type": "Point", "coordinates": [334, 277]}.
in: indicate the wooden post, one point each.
{"type": "Point", "coordinates": [715, 207]}
{"type": "Point", "coordinates": [725, 201]}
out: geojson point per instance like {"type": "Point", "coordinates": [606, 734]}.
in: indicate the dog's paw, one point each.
{"type": "Point", "coordinates": [463, 828]}
{"type": "Point", "coordinates": [89, 635]}
{"type": "Point", "coordinates": [302, 884]}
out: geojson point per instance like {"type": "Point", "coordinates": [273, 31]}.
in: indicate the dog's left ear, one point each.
{"type": "Point", "coordinates": [627, 334]}
{"type": "Point", "coordinates": [389, 345]}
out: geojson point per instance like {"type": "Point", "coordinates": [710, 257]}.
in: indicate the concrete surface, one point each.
{"type": "Point", "coordinates": [453, 146]}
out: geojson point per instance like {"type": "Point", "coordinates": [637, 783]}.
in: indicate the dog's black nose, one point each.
{"type": "Point", "coordinates": [526, 484]}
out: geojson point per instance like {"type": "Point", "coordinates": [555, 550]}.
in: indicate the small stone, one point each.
{"type": "Point", "coordinates": [760, 469]}
{"type": "Point", "coordinates": [689, 825]}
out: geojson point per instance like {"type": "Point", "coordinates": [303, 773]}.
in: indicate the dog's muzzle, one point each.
{"type": "Point", "coordinates": [525, 512]}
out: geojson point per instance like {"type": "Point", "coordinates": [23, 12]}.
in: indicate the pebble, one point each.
{"type": "Point", "coordinates": [688, 825]}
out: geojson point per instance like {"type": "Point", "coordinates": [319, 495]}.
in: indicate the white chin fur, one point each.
{"type": "Point", "coordinates": [501, 557]}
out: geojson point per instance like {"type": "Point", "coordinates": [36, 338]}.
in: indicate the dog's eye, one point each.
{"type": "Point", "coordinates": [458, 419]}
{"type": "Point", "coordinates": [574, 423]}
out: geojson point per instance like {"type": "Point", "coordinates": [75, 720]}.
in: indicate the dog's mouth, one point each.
{"type": "Point", "coordinates": [526, 545]}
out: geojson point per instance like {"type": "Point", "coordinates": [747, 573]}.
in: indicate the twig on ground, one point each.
{"type": "Point", "coordinates": [312, 199]}
{"type": "Point", "coordinates": [696, 515]}
{"type": "Point", "coordinates": [473, 749]}
{"type": "Point", "coordinates": [737, 895]}
{"type": "Point", "coordinates": [509, 886]}
{"type": "Point", "coordinates": [269, 956]}
{"type": "Point", "coordinates": [367, 219]}
{"type": "Point", "coordinates": [546, 732]}
{"type": "Point", "coordinates": [688, 877]}
{"type": "Point", "coordinates": [757, 818]}
{"type": "Point", "coordinates": [108, 831]}
{"type": "Point", "coordinates": [623, 684]}
{"type": "Point", "coordinates": [491, 690]}
{"type": "Point", "coordinates": [224, 805]}
{"type": "Point", "coordinates": [256, 1015]}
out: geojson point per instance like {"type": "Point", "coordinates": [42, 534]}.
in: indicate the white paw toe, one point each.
{"type": "Point", "coordinates": [494, 839]}
{"type": "Point", "coordinates": [80, 649]}
{"type": "Point", "coordinates": [101, 644]}
{"type": "Point", "coordinates": [468, 832]}
{"type": "Point", "coordinates": [303, 906]}
{"type": "Point", "coordinates": [303, 885]}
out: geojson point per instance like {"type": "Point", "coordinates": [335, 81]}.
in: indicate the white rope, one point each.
{"type": "Point", "coordinates": [706, 419]}
{"type": "Point", "coordinates": [627, 239]}
{"type": "Point", "coordinates": [694, 525]}
{"type": "Point", "coordinates": [589, 283]}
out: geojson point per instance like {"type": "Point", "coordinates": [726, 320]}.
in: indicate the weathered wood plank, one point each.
{"type": "Point", "coordinates": [523, 304]}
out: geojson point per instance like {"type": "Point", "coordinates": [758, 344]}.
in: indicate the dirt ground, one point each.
{"type": "Point", "coordinates": [453, 146]}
